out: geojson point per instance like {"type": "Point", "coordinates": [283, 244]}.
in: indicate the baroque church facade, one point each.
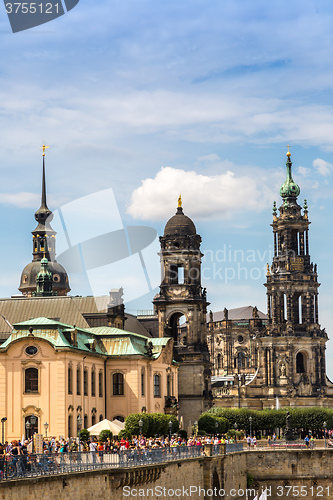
{"type": "Point", "coordinates": [282, 354]}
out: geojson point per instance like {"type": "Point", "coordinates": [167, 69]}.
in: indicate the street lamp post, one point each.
{"type": "Point", "coordinates": [195, 428]}
{"type": "Point", "coordinates": [27, 426]}
{"type": "Point", "coordinates": [250, 420]}
{"type": "Point", "coordinates": [3, 420]}
{"type": "Point", "coordinates": [216, 427]}
{"type": "Point", "coordinates": [325, 426]}
{"type": "Point", "coordinates": [140, 427]}
{"type": "Point", "coordinates": [170, 429]}
{"type": "Point", "coordinates": [33, 420]}
{"type": "Point", "coordinates": [79, 424]}
{"type": "Point", "coordinates": [236, 427]}
{"type": "Point", "coordinates": [46, 426]}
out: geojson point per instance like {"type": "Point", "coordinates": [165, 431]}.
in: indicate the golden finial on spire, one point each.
{"type": "Point", "coordinates": [180, 201]}
{"type": "Point", "coordinates": [43, 148]}
{"type": "Point", "coordinates": [288, 153]}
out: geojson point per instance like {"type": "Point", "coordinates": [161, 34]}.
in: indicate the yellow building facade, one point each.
{"type": "Point", "coordinates": [56, 372]}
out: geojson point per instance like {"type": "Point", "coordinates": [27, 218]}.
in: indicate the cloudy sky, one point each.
{"type": "Point", "coordinates": [142, 101]}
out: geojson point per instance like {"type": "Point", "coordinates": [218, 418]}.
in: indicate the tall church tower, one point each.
{"type": "Point", "coordinates": [292, 350]}
{"type": "Point", "coordinates": [43, 241]}
{"type": "Point", "coordinates": [181, 307]}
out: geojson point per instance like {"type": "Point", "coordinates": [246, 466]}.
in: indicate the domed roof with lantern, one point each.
{"type": "Point", "coordinates": [180, 224]}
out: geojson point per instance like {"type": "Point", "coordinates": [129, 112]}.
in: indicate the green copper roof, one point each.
{"type": "Point", "coordinates": [108, 341]}
{"type": "Point", "coordinates": [289, 189]}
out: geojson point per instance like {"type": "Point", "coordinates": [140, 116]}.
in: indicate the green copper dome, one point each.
{"type": "Point", "coordinates": [289, 189]}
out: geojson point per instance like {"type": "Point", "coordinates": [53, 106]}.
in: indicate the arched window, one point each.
{"type": "Point", "coordinates": [93, 419]}
{"type": "Point", "coordinates": [85, 382]}
{"type": "Point", "coordinates": [70, 381]}
{"type": "Point", "coordinates": [78, 381]}
{"type": "Point", "coordinates": [70, 426]}
{"type": "Point", "coordinates": [240, 360]}
{"type": "Point", "coordinates": [101, 418]}
{"type": "Point", "coordinates": [118, 384]}
{"type": "Point", "coordinates": [119, 417]}
{"type": "Point", "coordinates": [85, 425]}
{"type": "Point", "coordinates": [31, 380]}
{"type": "Point", "coordinates": [142, 382]}
{"type": "Point", "coordinates": [100, 384]}
{"type": "Point", "coordinates": [157, 386]}
{"type": "Point", "coordinates": [300, 364]}
{"type": "Point", "coordinates": [93, 382]}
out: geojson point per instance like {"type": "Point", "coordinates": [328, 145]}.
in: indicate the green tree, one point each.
{"type": "Point", "coordinates": [84, 434]}
{"type": "Point", "coordinates": [105, 435]}
{"type": "Point", "coordinates": [124, 434]}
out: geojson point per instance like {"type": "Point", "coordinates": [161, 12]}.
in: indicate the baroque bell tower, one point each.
{"type": "Point", "coordinates": [43, 246]}
{"type": "Point", "coordinates": [292, 349]}
{"type": "Point", "coordinates": [181, 307]}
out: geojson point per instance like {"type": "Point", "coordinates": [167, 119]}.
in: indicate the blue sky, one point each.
{"type": "Point", "coordinates": [150, 99]}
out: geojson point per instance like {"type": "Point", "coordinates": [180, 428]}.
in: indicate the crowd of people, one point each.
{"type": "Point", "coordinates": [93, 445]}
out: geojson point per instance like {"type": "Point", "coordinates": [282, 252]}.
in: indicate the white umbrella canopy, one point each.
{"type": "Point", "coordinates": [121, 425]}
{"type": "Point", "coordinates": [105, 424]}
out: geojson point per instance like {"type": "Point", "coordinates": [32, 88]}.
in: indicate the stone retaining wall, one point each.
{"type": "Point", "coordinates": [285, 472]}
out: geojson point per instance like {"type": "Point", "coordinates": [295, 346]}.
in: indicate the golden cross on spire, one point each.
{"type": "Point", "coordinates": [180, 201]}
{"type": "Point", "coordinates": [43, 148]}
{"type": "Point", "coordinates": [289, 153]}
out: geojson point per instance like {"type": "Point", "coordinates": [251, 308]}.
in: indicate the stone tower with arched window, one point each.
{"type": "Point", "coordinates": [181, 307]}
{"type": "Point", "coordinates": [291, 350]}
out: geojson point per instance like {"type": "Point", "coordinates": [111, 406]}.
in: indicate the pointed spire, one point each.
{"type": "Point", "coordinates": [43, 214]}
{"type": "Point", "coordinates": [44, 204]}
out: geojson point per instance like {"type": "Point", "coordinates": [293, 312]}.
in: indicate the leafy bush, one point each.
{"type": "Point", "coordinates": [105, 435]}
{"type": "Point", "coordinates": [208, 422]}
{"type": "Point", "coordinates": [153, 424]}
{"type": "Point", "coordinates": [124, 434]}
{"type": "Point", "coordinates": [269, 420]}
{"type": "Point", "coordinates": [84, 434]}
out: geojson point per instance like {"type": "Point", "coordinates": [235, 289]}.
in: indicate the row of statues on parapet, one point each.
{"type": "Point", "coordinates": [255, 314]}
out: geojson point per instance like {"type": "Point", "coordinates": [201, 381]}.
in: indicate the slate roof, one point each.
{"type": "Point", "coordinates": [68, 310]}
{"type": "Point", "coordinates": [238, 313]}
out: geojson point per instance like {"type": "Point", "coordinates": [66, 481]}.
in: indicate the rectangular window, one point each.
{"type": "Point", "coordinates": [70, 381]}
{"type": "Point", "coordinates": [78, 381]}
{"type": "Point", "coordinates": [93, 383]}
{"type": "Point", "coordinates": [85, 382]}
{"type": "Point", "coordinates": [118, 384]}
{"type": "Point", "coordinates": [31, 380]}
{"type": "Point", "coordinates": [157, 386]}
{"type": "Point", "coordinates": [142, 383]}
{"type": "Point", "coordinates": [100, 384]}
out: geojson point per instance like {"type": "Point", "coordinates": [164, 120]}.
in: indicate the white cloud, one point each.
{"type": "Point", "coordinates": [21, 200]}
{"type": "Point", "coordinates": [303, 171]}
{"type": "Point", "coordinates": [203, 196]}
{"type": "Point", "coordinates": [323, 167]}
